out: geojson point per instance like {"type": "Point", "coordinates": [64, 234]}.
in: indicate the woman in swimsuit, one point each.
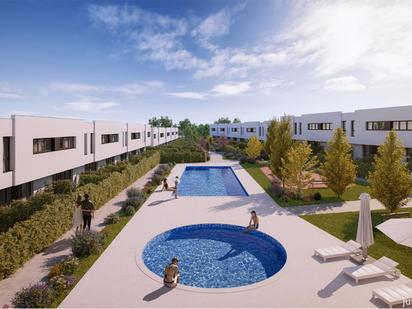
{"type": "Point", "coordinates": [253, 223]}
{"type": "Point", "coordinates": [171, 274]}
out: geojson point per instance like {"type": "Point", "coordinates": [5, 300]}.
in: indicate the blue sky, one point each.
{"type": "Point", "coordinates": [129, 61]}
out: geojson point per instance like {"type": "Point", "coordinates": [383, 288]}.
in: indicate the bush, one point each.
{"type": "Point", "coordinates": [277, 190]}
{"type": "Point", "coordinates": [60, 283]}
{"type": "Point", "coordinates": [157, 179]}
{"type": "Point", "coordinates": [129, 211]}
{"type": "Point", "coordinates": [90, 177]}
{"type": "Point", "coordinates": [317, 196]}
{"type": "Point", "coordinates": [363, 167]}
{"type": "Point", "coordinates": [27, 238]}
{"type": "Point", "coordinates": [85, 243]}
{"type": "Point", "coordinates": [67, 267]}
{"type": "Point", "coordinates": [134, 192]}
{"type": "Point", "coordinates": [63, 187]}
{"type": "Point", "coordinates": [284, 198]}
{"type": "Point", "coordinates": [134, 201]}
{"type": "Point", "coordinates": [35, 296]}
{"type": "Point", "coordinates": [112, 219]}
{"type": "Point", "coordinates": [244, 160]}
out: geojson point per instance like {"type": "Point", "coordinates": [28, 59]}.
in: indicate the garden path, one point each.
{"type": "Point", "coordinates": [40, 265]}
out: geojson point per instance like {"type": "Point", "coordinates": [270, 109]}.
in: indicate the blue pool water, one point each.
{"type": "Point", "coordinates": [216, 255]}
{"type": "Point", "coordinates": [210, 181]}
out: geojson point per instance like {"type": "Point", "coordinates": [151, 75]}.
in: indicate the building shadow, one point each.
{"type": "Point", "coordinates": [157, 293]}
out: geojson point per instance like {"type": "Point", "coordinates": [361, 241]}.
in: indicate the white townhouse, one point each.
{"type": "Point", "coordinates": [366, 129]}
{"type": "Point", "coordinates": [39, 150]}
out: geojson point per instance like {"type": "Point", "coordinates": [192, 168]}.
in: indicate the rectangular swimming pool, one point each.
{"type": "Point", "coordinates": [210, 181]}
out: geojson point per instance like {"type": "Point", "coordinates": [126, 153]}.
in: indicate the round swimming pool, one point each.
{"type": "Point", "coordinates": [216, 255]}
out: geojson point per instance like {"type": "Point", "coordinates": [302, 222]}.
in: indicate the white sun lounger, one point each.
{"type": "Point", "coordinates": [382, 267]}
{"type": "Point", "coordinates": [345, 250]}
{"type": "Point", "coordinates": [394, 295]}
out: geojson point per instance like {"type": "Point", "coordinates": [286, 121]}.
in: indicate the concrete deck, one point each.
{"type": "Point", "coordinates": [120, 279]}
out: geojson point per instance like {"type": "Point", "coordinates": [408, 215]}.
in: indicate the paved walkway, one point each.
{"type": "Point", "coordinates": [119, 278]}
{"type": "Point", "coordinates": [39, 266]}
{"type": "Point", "coordinates": [334, 207]}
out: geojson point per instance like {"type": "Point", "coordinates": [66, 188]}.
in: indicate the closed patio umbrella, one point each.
{"type": "Point", "coordinates": [399, 230]}
{"type": "Point", "coordinates": [364, 236]}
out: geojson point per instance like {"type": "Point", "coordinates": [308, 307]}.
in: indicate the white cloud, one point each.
{"type": "Point", "coordinates": [7, 92]}
{"type": "Point", "coordinates": [231, 88]}
{"type": "Point", "coordinates": [344, 83]}
{"type": "Point", "coordinates": [90, 104]}
{"type": "Point", "coordinates": [189, 95]}
{"type": "Point", "coordinates": [127, 89]}
{"type": "Point", "coordinates": [374, 37]}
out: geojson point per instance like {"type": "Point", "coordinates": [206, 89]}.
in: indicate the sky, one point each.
{"type": "Point", "coordinates": [198, 59]}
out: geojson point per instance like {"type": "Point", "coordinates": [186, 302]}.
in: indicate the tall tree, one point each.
{"type": "Point", "coordinates": [270, 135]}
{"type": "Point", "coordinates": [280, 145]}
{"type": "Point", "coordinates": [236, 120]}
{"type": "Point", "coordinates": [338, 168]}
{"type": "Point", "coordinates": [163, 121]}
{"type": "Point", "coordinates": [223, 120]}
{"type": "Point", "coordinates": [296, 167]}
{"type": "Point", "coordinates": [390, 182]}
{"type": "Point", "coordinates": [253, 148]}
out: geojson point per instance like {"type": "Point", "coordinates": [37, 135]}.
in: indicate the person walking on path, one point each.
{"type": "Point", "coordinates": [88, 212]}
{"type": "Point", "coordinates": [176, 185]}
{"type": "Point", "coordinates": [165, 184]}
{"type": "Point", "coordinates": [77, 214]}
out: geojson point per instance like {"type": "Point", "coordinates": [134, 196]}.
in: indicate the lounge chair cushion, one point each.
{"type": "Point", "coordinates": [395, 294]}
{"type": "Point", "coordinates": [388, 262]}
{"type": "Point", "coordinates": [351, 245]}
{"type": "Point", "coordinates": [332, 251]}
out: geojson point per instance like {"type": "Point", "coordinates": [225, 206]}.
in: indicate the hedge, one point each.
{"type": "Point", "coordinates": [181, 151]}
{"type": "Point", "coordinates": [27, 238]}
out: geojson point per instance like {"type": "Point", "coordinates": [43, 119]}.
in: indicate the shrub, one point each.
{"type": "Point", "coordinates": [134, 192]}
{"type": "Point", "coordinates": [61, 283]}
{"type": "Point", "coordinates": [112, 218]}
{"type": "Point", "coordinates": [90, 177]}
{"type": "Point", "coordinates": [62, 187]}
{"type": "Point", "coordinates": [363, 167]}
{"type": "Point", "coordinates": [317, 196]}
{"type": "Point", "coordinates": [69, 265]}
{"type": "Point", "coordinates": [129, 211]}
{"type": "Point", "coordinates": [56, 270]}
{"type": "Point", "coordinates": [27, 238]}
{"type": "Point", "coordinates": [277, 190]}
{"type": "Point", "coordinates": [284, 198]}
{"type": "Point", "coordinates": [86, 243]}
{"type": "Point", "coordinates": [35, 296]}
{"type": "Point", "coordinates": [247, 160]}
{"type": "Point", "coordinates": [134, 201]}
{"type": "Point", "coordinates": [156, 179]}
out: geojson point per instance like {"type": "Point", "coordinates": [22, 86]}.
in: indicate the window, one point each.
{"type": "Point", "coordinates": [162, 135]}
{"type": "Point", "coordinates": [168, 134]}
{"type": "Point", "coordinates": [91, 142]}
{"type": "Point", "coordinates": [344, 126]}
{"type": "Point", "coordinates": [85, 143]}
{"type": "Point", "coordinates": [6, 154]}
{"type": "Point", "coordinates": [295, 128]}
{"type": "Point", "coordinates": [110, 161]}
{"type": "Point", "coordinates": [148, 134]}
{"type": "Point", "coordinates": [154, 136]}
{"type": "Point", "coordinates": [251, 130]}
{"type": "Point", "coordinates": [63, 175]}
{"type": "Point", "coordinates": [402, 125]}
{"type": "Point", "coordinates": [135, 135]}
{"type": "Point", "coordinates": [320, 126]}
{"type": "Point", "coordinates": [300, 128]}
{"type": "Point", "coordinates": [352, 128]}
{"type": "Point", "coordinates": [222, 129]}
{"type": "Point", "coordinates": [123, 156]}
{"type": "Point", "coordinates": [110, 138]}
{"type": "Point", "coordinates": [42, 145]}
{"type": "Point", "coordinates": [90, 167]}
{"type": "Point", "coordinates": [213, 129]}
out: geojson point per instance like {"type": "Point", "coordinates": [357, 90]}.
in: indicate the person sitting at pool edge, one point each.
{"type": "Point", "coordinates": [253, 223]}
{"type": "Point", "coordinates": [171, 274]}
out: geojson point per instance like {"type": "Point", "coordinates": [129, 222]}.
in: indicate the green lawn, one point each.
{"type": "Point", "coordinates": [344, 226]}
{"type": "Point", "coordinates": [110, 232]}
{"type": "Point", "coordinates": [327, 195]}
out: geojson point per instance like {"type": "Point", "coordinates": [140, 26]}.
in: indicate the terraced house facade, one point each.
{"type": "Point", "coordinates": [366, 129]}
{"type": "Point", "coordinates": [39, 150]}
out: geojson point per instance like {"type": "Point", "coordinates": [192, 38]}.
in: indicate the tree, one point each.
{"type": "Point", "coordinates": [338, 168]}
{"type": "Point", "coordinates": [236, 120]}
{"type": "Point", "coordinates": [223, 120]}
{"type": "Point", "coordinates": [279, 145]}
{"type": "Point", "coordinates": [296, 167]}
{"type": "Point", "coordinates": [163, 121]}
{"type": "Point", "coordinates": [253, 148]}
{"type": "Point", "coordinates": [188, 130]}
{"type": "Point", "coordinates": [270, 135]}
{"type": "Point", "coordinates": [390, 182]}
{"type": "Point", "coordinates": [222, 141]}
{"type": "Point", "coordinates": [203, 130]}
